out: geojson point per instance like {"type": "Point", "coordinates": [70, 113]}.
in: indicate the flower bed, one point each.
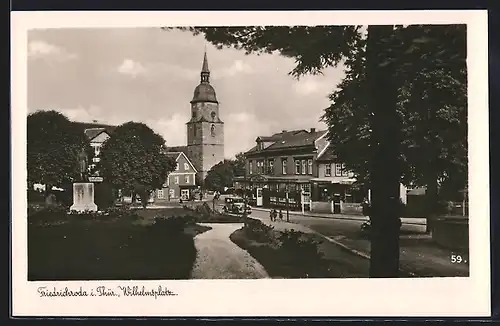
{"type": "Point", "coordinates": [288, 254]}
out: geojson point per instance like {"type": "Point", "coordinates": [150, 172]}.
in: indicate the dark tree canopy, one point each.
{"type": "Point", "coordinates": [313, 47]}
{"type": "Point", "coordinates": [372, 109]}
{"type": "Point", "coordinates": [220, 175]}
{"type": "Point", "coordinates": [134, 159]}
{"type": "Point", "coordinates": [432, 104]}
{"type": "Point", "coordinates": [54, 149]}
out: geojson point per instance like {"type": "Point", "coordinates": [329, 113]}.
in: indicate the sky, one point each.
{"type": "Point", "coordinates": [148, 75]}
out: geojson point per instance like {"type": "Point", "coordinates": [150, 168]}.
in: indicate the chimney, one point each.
{"type": "Point", "coordinates": [313, 129]}
{"type": "Point", "coordinates": [284, 130]}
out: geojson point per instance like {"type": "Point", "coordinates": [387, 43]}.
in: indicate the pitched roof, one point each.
{"type": "Point", "coordinates": [173, 155]}
{"type": "Point", "coordinates": [298, 140]}
{"type": "Point", "coordinates": [327, 155]}
{"type": "Point", "coordinates": [284, 135]}
{"type": "Point", "coordinates": [92, 130]}
{"type": "Point", "coordinates": [178, 149]}
{"type": "Point", "coordinates": [176, 155]}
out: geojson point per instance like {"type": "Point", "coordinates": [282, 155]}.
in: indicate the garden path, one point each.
{"type": "Point", "coordinates": [219, 258]}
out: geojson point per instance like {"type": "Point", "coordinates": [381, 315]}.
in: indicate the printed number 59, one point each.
{"type": "Point", "coordinates": [456, 259]}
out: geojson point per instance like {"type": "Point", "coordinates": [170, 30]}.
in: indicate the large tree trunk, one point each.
{"type": "Point", "coordinates": [431, 199]}
{"type": "Point", "coordinates": [432, 191]}
{"type": "Point", "coordinates": [385, 170]}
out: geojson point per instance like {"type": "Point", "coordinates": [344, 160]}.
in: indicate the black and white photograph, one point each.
{"type": "Point", "coordinates": [274, 152]}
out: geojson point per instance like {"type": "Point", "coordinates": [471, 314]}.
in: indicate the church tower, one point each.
{"type": "Point", "coordinates": [205, 130]}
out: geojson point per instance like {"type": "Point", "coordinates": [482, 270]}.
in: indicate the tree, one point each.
{"type": "Point", "coordinates": [134, 160]}
{"type": "Point", "coordinates": [431, 103]}
{"type": "Point", "coordinates": [317, 47]}
{"type": "Point", "coordinates": [221, 175]}
{"type": "Point", "coordinates": [239, 165]}
{"type": "Point", "coordinates": [55, 147]}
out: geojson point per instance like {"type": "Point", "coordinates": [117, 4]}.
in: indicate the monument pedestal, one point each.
{"type": "Point", "coordinates": [83, 197]}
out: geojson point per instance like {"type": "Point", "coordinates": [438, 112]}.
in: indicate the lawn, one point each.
{"type": "Point", "coordinates": [111, 247]}
{"type": "Point", "coordinates": [291, 254]}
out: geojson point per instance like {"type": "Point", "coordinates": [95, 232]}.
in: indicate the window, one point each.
{"type": "Point", "coordinates": [177, 166]}
{"type": "Point", "coordinates": [271, 167]}
{"type": "Point", "coordinates": [260, 167]}
{"type": "Point", "coordinates": [186, 167]}
{"type": "Point", "coordinates": [176, 180]}
{"type": "Point", "coordinates": [250, 167]}
{"type": "Point", "coordinates": [306, 187]}
{"type": "Point", "coordinates": [345, 173]}
{"type": "Point", "coordinates": [309, 166]}
{"type": "Point", "coordinates": [297, 166]}
{"type": "Point", "coordinates": [97, 150]}
{"type": "Point", "coordinates": [212, 130]}
{"type": "Point", "coordinates": [186, 178]}
{"type": "Point", "coordinates": [212, 115]}
{"type": "Point", "coordinates": [338, 170]}
{"type": "Point", "coordinates": [160, 194]}
{"type": "Point", "coordinates": [304, 166]}
{"type": "Point", "coordinates": [283, 166]}
{"type": "Point", "coordinates": [328, 170]}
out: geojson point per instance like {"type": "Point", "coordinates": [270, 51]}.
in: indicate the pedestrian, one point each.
{"type": "Point", "coordinates": [281, 215]}
{"type": "Point", "coordinates": [271, 215]}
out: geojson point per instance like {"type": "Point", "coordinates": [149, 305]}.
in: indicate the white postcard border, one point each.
{"type": "Point", "coordinates": [326, 297]}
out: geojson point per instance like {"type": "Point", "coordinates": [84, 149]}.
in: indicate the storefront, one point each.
{"type": "Point", "coordinates": [335, 195]}
{"type": "Point", "coordinates": [275, 192]}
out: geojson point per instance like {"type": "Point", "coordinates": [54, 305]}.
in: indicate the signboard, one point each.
{"type": "Point", "coordinates": [96, 179]}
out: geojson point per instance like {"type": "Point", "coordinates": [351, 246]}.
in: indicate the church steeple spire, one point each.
{"type": "Point", "coordinates": [205, 72]}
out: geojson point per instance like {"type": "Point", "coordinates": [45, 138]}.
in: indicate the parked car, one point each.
{"type": "Point", "coordinates": [236, 205]}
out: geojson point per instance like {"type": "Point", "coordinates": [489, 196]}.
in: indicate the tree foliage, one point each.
{"type": "Point", "coordinates": [390, 136]}
{"type": "Point", "coordinates": [55, 147]}
{"type": "Point", "coordinates": [134, 160]}
{"type": "Point", "coordinates": [312, 47]}
{"type": "Point", "coordinates": [432, 104]}
{"type": "Point", "coordinates": [222, 175]}
{"type": "Point", "coordinates": [239, 165]}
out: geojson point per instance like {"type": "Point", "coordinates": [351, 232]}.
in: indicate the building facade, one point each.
{"type": "Point", "coordinates": [205, 129]}
{"type": "Point", "coordinates": [180, 183]}
{"type": "Point", "coordinates": [296, 169]}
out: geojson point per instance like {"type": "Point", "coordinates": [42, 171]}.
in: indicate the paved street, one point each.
{"type": "Point", "coordinates": [419, 255]}
{"type": "Point", "coordinates": [219, 258]}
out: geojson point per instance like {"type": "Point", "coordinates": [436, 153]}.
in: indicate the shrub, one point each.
{"type": "Point", "coordinates": [47, 215]}
{"type": "Point", "coordinates": [174, 225]}
{"type": "Point", "coordinates": [104, 195]}
{"type": "Point", "coordinates": [258, 231]}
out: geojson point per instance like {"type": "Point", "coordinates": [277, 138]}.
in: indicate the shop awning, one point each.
{"type": "Point", "coordinates": [334, 180]}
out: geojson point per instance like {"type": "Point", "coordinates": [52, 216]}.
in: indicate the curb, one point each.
{"type": "Point", "coordinates": [359, 253]}
{"type": "Point", "coordinates": [361, 219]}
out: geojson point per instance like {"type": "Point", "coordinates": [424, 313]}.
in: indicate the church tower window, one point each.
{"type": "Point", "coordinates": [213, 115]}
{"type": "Point", "coordinates": [212, 130]}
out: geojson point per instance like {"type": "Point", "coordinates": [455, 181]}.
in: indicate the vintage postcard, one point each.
{"type": "Point", "coordinates": [315, 163]}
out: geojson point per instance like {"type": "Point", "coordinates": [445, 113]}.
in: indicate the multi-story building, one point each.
{"type": "Point", "coordinates": [180, 183]}
{"type": "Point", "coordinates": [299, 165]}
{"type": "Point", "coordinates": [97, 134]}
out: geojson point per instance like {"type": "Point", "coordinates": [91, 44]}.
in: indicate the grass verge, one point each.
{"type": "Point", "coordinates": [292, 254]}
